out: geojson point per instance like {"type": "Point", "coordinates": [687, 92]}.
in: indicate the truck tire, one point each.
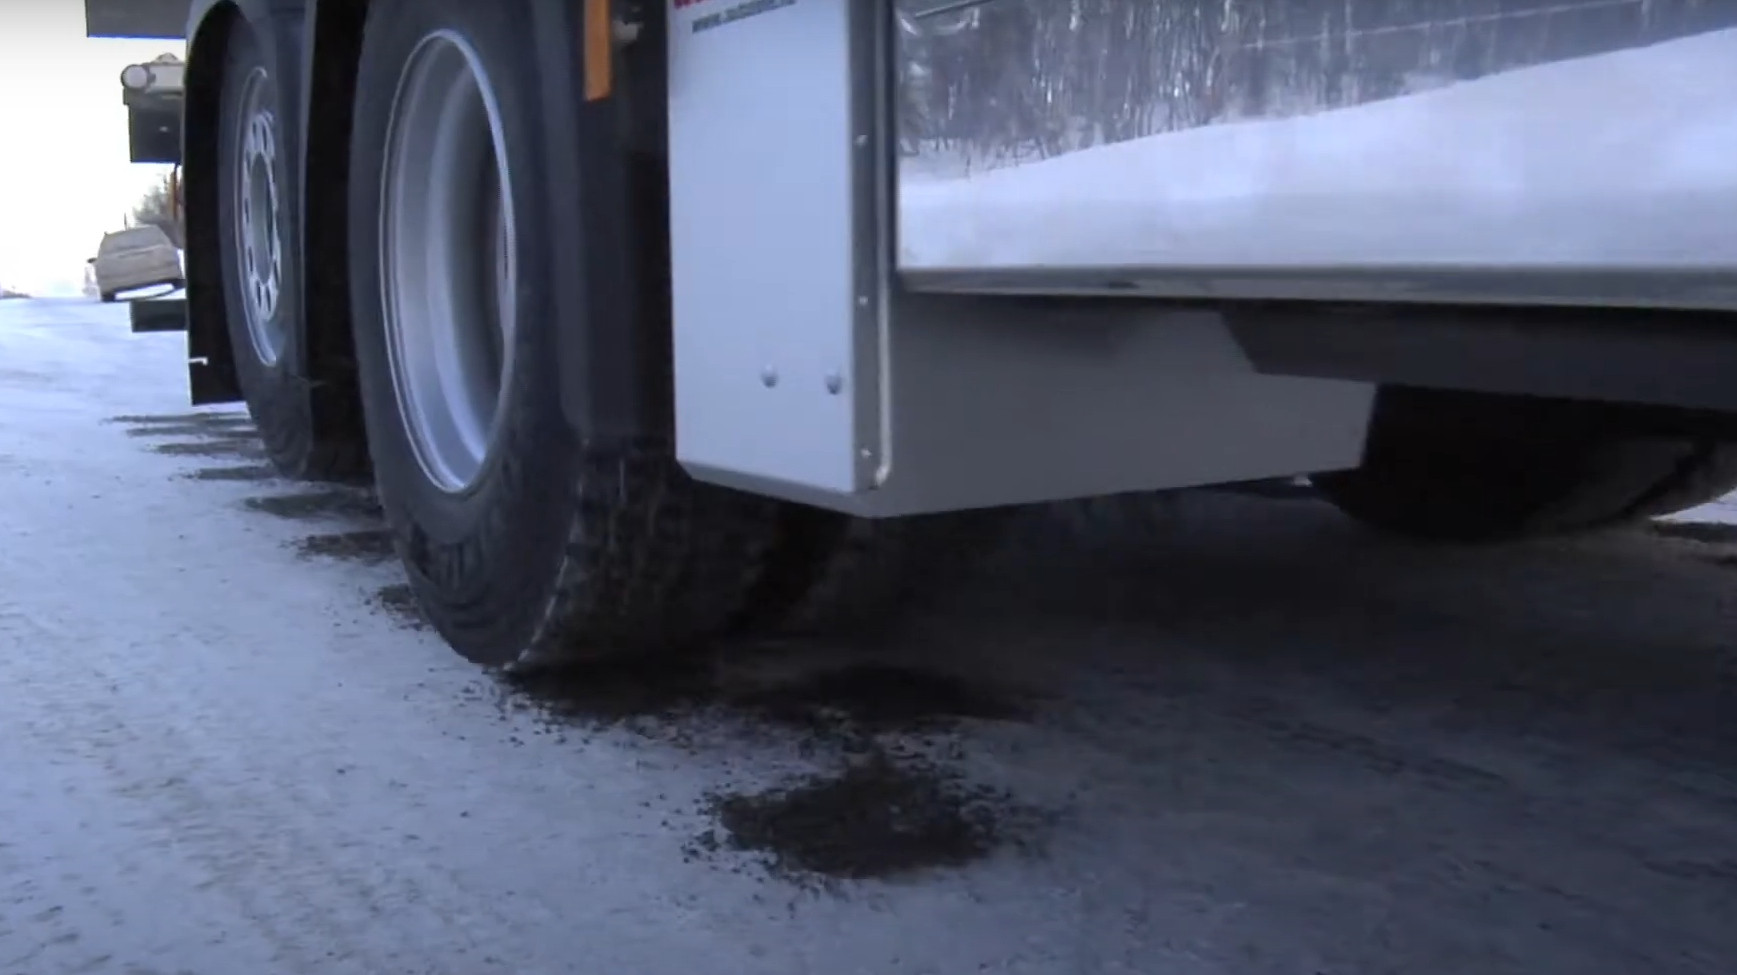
{"type": "Point", "coordinates": [523, 541]}
{"type": "Point", "coordinates": [1464, 467]}
{"type": "Point", "coordinates": [260, 262]}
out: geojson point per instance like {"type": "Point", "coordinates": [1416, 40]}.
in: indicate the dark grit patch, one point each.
{"type": "Point", "coordinates": [1721, 872]}
{"type": "Point", "coordinates": [371, 547]}
{"type": "Point", "coordinates": [889, 810]}
{"type": "Point", "coordinates": [244, 446]}
{"type": "Point", "coordinates": [25, 376]}
{"type": "Point", "coordinates": [190, 430]}
{"type": "Point", "coordinates": [877, 818]}
{"type": "Point", "coordinates": [399, 603]}
{"type": "Point", "coordinates": [202, 420]}
{"type": "Point", "coordinates": [235, 473]}
{"type": "Point", "coordinates": [624, 691]}
{"type": "Point", "coordinates": [876, 698]}
{"type": "Point", "coordinates": [310, 505]}
{"type": "Point", "coordinates": [840, 706]}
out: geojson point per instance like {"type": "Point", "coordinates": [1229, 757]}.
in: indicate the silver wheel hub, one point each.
{"type": "Point", "coordinates": [447, 259]}
{"type": "Point", "coordinates": [258, 205]}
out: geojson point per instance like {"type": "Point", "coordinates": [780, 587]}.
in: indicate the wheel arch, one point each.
{"type": "Point", "coordinates": [604, 401]}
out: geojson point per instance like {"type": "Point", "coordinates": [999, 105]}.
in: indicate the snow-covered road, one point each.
{"type": "Point", "coordinates": [1273, 745]}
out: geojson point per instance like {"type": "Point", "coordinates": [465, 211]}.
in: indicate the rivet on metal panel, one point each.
{"type": "Point", "coordinates": [834, 383]}
{"type": "Point", "coordinates": [769, 377]}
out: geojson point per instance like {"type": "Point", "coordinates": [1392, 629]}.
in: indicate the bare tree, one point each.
{"type": "Point", "coordinates": [1040, 77]}
{"type": "Point", "coordinates": [156, 208]}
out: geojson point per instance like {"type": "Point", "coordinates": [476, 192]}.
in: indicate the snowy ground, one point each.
{"type": "Point", "coordinates": [1620, 159]}
{"type": "Point", "coordinates": [1275, 745]}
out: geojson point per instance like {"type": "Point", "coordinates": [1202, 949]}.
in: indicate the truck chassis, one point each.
{"type": "Point", "coordinates": [610, 302]}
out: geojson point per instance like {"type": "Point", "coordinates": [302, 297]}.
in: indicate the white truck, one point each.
{"type": "Point", "coordinates": [650, 321]}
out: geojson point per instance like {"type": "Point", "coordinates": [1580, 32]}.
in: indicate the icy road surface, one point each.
{"type": "Point", "coordinates": [1275, 746]}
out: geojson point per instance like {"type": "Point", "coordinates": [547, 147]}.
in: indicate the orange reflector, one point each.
{"type": "Point", "coordinates": [599, 51]}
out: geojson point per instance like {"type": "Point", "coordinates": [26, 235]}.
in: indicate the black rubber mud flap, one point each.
{"type": "Point", "coordinates": [277, 396]}
{"type": "Point", "coordinates": [211, 379]}
{"type": "Point", "coordinates": [154, 132]}
{"type": "Point", "coordinates": [211, 383]}
{"type": "Point", "coordinates": [159, 315]}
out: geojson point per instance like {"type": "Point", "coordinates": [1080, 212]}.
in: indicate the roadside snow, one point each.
{"type": "Point", "coordinates": [1624, 158]}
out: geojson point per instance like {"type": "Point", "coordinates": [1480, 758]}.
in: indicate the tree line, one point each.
{"type": "Point", "coordinates": [155, 209]}
{"type": "Point", "coordinates": [1012, 78]}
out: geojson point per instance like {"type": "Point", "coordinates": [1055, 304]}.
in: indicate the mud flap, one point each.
{"type": "Point", "coordinates": [868, 397]}
{"type": "Point", "coordinates": [210, 370]}
{"type": "Point", "coordinates": [212, 383]}
{"type": "Point", "coordinates": [154, 132]}
{"type": "Point", "coordinates": [159, 315]}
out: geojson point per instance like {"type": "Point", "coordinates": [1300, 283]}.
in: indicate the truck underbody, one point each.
{"type": "Point", "coordinates": [650, 322]}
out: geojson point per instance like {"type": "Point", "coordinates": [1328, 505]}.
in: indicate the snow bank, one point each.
{"type": "Point", "coordinates": [1621, 159]}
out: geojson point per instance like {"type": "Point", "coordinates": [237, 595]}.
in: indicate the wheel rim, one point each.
{"type": "Point", "coordinates": [446, 259]}
{"type": "Point", "coordinates": [259, 245]}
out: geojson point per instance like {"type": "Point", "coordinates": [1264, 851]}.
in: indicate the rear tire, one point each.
{"type": "Point", "coordinates": [522, 541]}
{"type": "Point", "coordinates": [259, 260]}
{"type": "Point", "coordinates": [1463, 467]}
